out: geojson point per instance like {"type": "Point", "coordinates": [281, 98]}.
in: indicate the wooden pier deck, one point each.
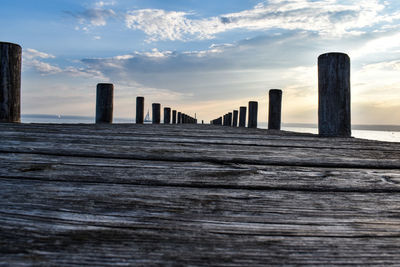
{"type": "Point", "coordinates": [145, 195]}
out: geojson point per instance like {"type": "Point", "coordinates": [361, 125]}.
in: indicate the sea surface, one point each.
{"type": "Point", "coordinates": [390, 133]}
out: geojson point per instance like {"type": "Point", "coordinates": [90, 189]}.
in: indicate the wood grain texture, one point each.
{"type": "Point", "coordinates": [200, 195]}
{"type": "Point", "coordinates": [334, 105]}
{"type": "Point", "coordinates": [10, 82]}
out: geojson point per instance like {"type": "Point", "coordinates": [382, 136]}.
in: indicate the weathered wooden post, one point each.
{"type": "Point", "coordinates": [242, 117]}
{"type": "Point", "coordinates": [219, 122]}
{"type": "Point", "coordinates": [156, 113]}
{"type": "Point", "coordinates": [275, 107]}
{"type": "Point", "coordinates": [104, 102]}
{"type": "Point", "coordinates": [235, 118]}
{"type": "Point", "coordinates": [179, 117]}
{"type": "Point", "coordinates": [225, 120]}
{"type": "Point", "coordinates": [334, 95]}
{"type": "Point", "coordinates": [10, 82]}
{"type": "Point", "coordinates": [253, 112]}
{"type": "Point", "coordinates": [139, 110]}
{"type": "Point", "coordinates": [174, 117]}
{"type": "Point", "coordinates": [229, 119]}
{"type": "Point", "coordinates": [167, 115]}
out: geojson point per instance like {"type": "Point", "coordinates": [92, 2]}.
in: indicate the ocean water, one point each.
{"type": "Point", "coordinates": [390, 133]}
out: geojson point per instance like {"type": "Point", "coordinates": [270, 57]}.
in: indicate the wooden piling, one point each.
{"type": "Point", "coordinates": [179, 117]}
{"type": "Point", "coordinates": [139, 109]}
{"type": "Point", "coordinates": [104, 102]}
{"type": "Point", "coordinates": [156, 113]}
{"type": "Point", "coordinates": [253, 113]}
{"type": "Point", "coordinates": [334, 95]}
{"type": "Point", "coordinates": [10, 82]}
{"type": "Point", "coordinates": [242, 116]}
{"type": "Point", "coordinates": [174, 117]}
{"type": "Point", "coordinates": [167, 115]}
{"type": "Point", "coordinates": [230, 119]}
{"type": "Point", "coordinates": [275, 107]}
{"type": "Point", "coordinates": [235, 118]}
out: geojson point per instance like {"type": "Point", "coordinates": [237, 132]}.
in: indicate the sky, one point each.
{"type": "Point", "coordinates": [206, 57]}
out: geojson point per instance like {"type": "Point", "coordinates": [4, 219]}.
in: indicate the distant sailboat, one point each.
{"type": "Point", "coordinates": [147, 118]}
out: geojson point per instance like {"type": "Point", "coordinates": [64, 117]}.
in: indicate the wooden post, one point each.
{"type": "Point", "coordinates": [139, 110]}
{"type": "Point", "coordinates": [242, 117]}
{"type": "Point", "coordinates": [10, 82]}
{"type": "Point", "coordinates": [253, 112]}
{"type": "Point", "coordinates": [230, 119]}
{"type": "Point", "coordinates": [219, 121]}
{"type": "Point", "coordinates": [334, 95]}
{"type": "Point", "coordinates": [179, 117]}
{"type": "Point", "coordinates": [275, 107]}
{"type": "Point", "coordinates": [174, 117]}
{"type": "Point", "coordinates": [104, 102]}
{"type": "Point", "coordinates": [156, 113]}
{"type": "Point", "coordinates": [167, 115]}
{"type": "Point", "coordinates": [235, 118]}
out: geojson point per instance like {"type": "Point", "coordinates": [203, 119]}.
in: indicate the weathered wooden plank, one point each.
{"type": "Point", "coordinates": [172, 137]}
{"type": "Point", "coordinates": [71, 223]}
{"type": "Point", "coordinates": [160, 195]}
{"type": "Point", "coordinates": [196, 174]}
{"type": "Point", "coordinates": [221, 153]}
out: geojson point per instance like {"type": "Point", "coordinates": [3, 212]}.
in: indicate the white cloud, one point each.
{"type": "Point", "coordinates": [95, 16]}
{"type": "Point", "coordinates": [329, 18]}
{"type": "Point", "coordinates": [33, 59]}
{"type": "Point", "coordinates": [30, 53]}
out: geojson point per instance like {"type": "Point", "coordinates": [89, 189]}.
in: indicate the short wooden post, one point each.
{"type": "Point", "coordinates": [230, 119]}
{"type": "Point", "coordinates": [156, 113]}
{"type": "Point", "coordinates": [334, 95]}
{"type": "Point", "coordinates": [139, 110]}
{"type": "Point", "coordinates": [174, 117]}
{"type": "Point", "coordinates": [167, 115]}
{"type": "Point", "coordinates": [10, 82]}
{"type": "Point", "coordinates": [253, 113]}
{"type": "Point", "coordinates": [225, 120]}
{"type": "Point", "coordinates": [219, 122]}
{"type": "Point", "coordinates": [242, 117]}
{"type": "Point", "coordinates": [104, 102]}
{"type": "Point", "coordinates": [274, 111]}
{"type": "Point", "coordinates": [235, 118]}
{"type": "Point", "coordinates": [179, 117]}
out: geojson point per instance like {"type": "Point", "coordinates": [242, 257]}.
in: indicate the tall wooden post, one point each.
{"type": "Point", "coordinates": [242, 117]}
{"type": "Point", "coordinates": [139, 109]}
{"type": "Point", "coordinates": [334, 95]}
{"type": "Point", "coordinates": [253, 113]}
{"type": "Point", "coordinates": [10, 82]}
{"type": "Point", "coordinates": [235, 118]}
{"type": "Point", "coordinates": [179, 117]}
{"type": "Point", "coordinates": [275, 107]}
{"type": "Point", "coordinates": [156, 113]}
{"type": "Point", "coordinates": [104, 102]}
{"type": "Point", "coordinates": [167, 115]}
{"type": "Point", "coordinates": [174, 117]}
